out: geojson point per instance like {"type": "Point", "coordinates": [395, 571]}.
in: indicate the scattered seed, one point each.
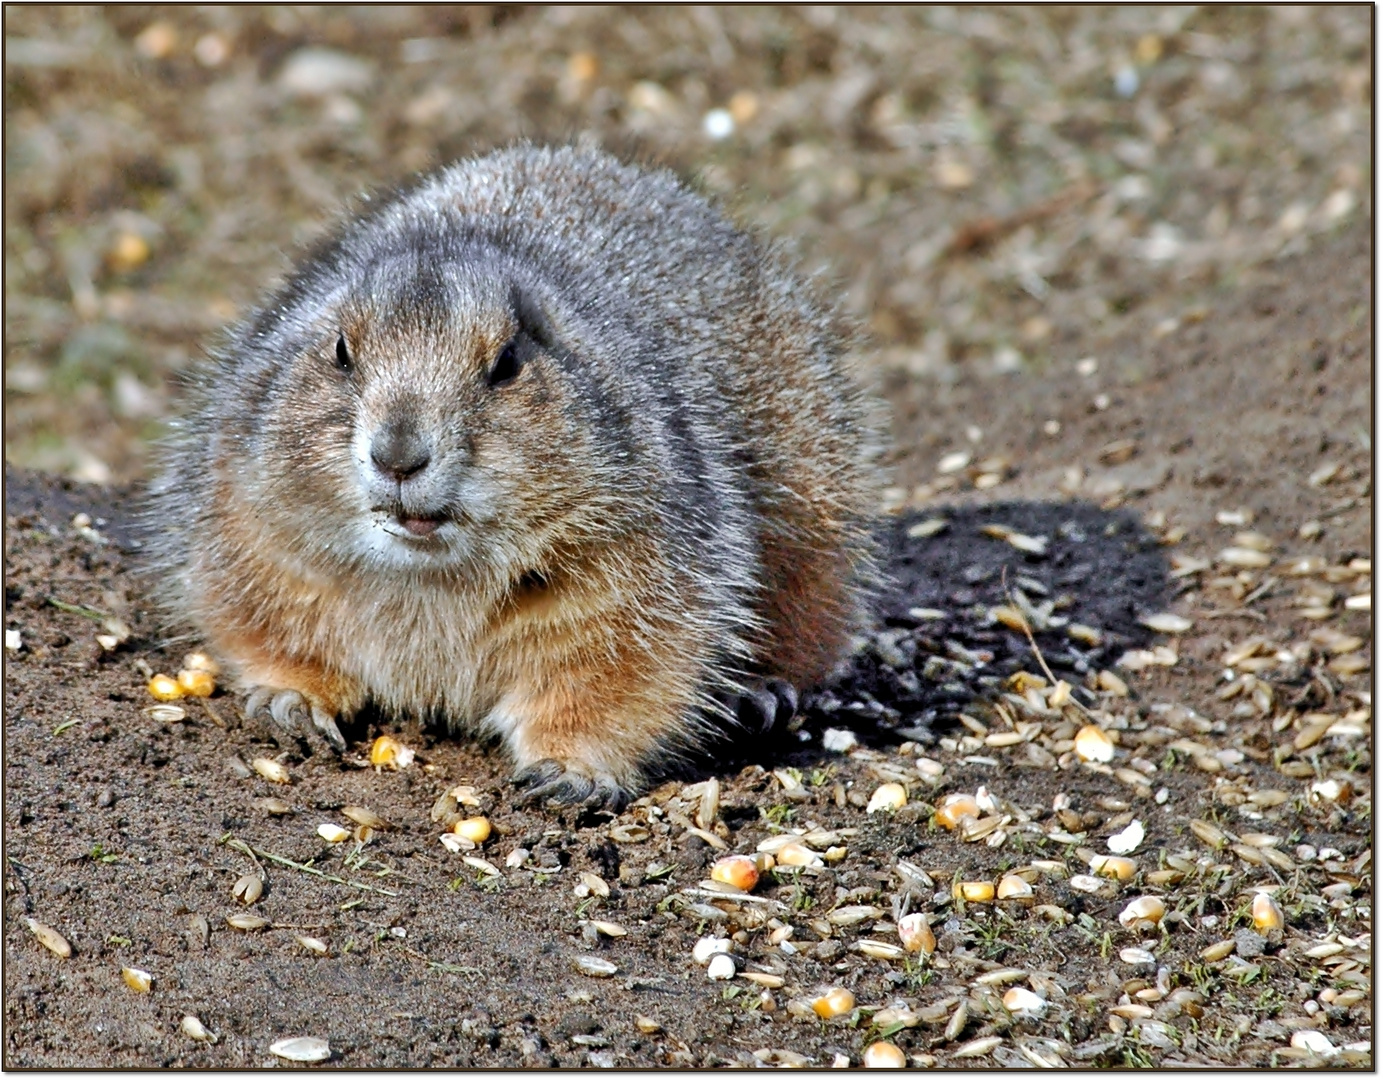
{"type": "Point", "coordinates": [887, 797]}
{"type": "Point", "coordinates": [1267, 913]}
{"type": "Point", "coordinates": [270, 769]}
{"type": "Point", "coordinates": [647, 1024]}
{"type": "Point", "coordinates": [628, 834]}
{"type": "Point", "coordinates": [1146, 910]}
{"type": "Point", "coordinates": [166, 714]}
{"type": "Point", "coordinates": [834, 1002]}
{"type": "Point", "coordinates": [1331, 791]}
{"type": "Point", "coordinates": [1315, 1042]}
{"type": "Point", "coordinates": [1012, 887]}
{"type": "Point", "coordinates": [721, 967]}
{"type": "Point", "coordinates": [736, 870]}
{"type": "Point", "coordinates": [707, 947]}
{"type": "Point", "coordinates": [915, 933]}
{"type": "Point", "coordinates": [194, 1029]}
{"type": "Point", "coordinates": [1127, 841]}
{"type": "Point", "coordinates": [1112, 866]}
{"type": "Point", "coordinates": [930, 527]}
{"type": "Point", "coordinates": [978, 1047]}
{"type": "Point", "coordinates": [386, 752]}
{"type": "Point", "coordinates": [361, 816]}
{"type": "Point", "coordinates": [955, 808]}
{"type": "Point", "coordinates": [305, 1048]}
{"type": "Point", "coordinates": [49, 938]}
{"type": "Point", "coordinates": [594, 966]}
{"type": "Point", "coordinates": [248, 889]}
{"type": "Point", "coordinates": [1245, 558]}
{"type": "Point", "coordinates": [1208, 834]}
{"type": "Point", "coordinates": [1137, 956]}
{"type": "Point", "coordinates": [137, 979]}
{"type": "Point", "coordinates": [475, 862]}
{"type": "Point", "coordinates": [474, 829]}
{"type": "Point", "coordinates": [1167, 623]}
{"type": "Point", "coordinates": [312, 944]}
{"type": "Point", "coordinates": [797, 855]}
{"type": "Point", "coordinates": [199, 684]}
{"type": "Point", "coordinates": [763, 978]}
{"type": "Point", "coordinates": [1359, 602]}
{"type": "Point", "coordinates": [1024, 1004]}
{"type": "Point", "coordinates": [884, 1055]}
{"type": "Point", "coordinates": [332, 833]}
{"type": "Point", "coordinates": [975, 892]}
{"type": "Point", "coordinates": [247, 922]}
{"type": "Point", "coordinates": [164, 688]}
{"type": "Point", "coordinates": [1093, 744]}
{"type": "Point", "coordinates": [880, 950]}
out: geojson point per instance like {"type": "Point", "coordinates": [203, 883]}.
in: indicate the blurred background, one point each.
{"type": "Point", "coordinates": [982, 185]}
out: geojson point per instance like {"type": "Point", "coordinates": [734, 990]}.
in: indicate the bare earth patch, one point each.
{"type": "Point", "coordinates": [1131, 378]}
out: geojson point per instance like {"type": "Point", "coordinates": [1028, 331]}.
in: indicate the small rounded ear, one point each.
{"type": "Point", "coordinates": [533, 322]}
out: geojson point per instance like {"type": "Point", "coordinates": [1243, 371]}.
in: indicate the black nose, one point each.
{"type": "Point", "coordinates": [399, 451]}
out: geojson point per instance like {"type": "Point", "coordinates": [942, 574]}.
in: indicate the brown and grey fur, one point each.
{"type": "Point", "coordinates": [667, 505]}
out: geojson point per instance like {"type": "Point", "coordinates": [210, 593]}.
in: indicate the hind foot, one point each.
{"type": "Point", "coordinates": [770, 705]}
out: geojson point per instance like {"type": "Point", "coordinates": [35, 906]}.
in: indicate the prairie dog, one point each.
{"type": "Point", "coordinates": [543, 448]}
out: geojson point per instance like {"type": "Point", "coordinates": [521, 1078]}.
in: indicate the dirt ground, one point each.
{"type": "Point", "coordinates": [1123, 315]}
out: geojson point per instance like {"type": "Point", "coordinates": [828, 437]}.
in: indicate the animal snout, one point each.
{"type": "Point", "coordinates": [400, 451]}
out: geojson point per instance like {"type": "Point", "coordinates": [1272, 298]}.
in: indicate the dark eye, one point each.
{"type": "Point", "coordinates": [505, 369]}
{"type": "Point", "coordinates": [344, 361]}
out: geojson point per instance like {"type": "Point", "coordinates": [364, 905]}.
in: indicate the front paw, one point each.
{"type": "Point", "coordinates": [292, 719]}
{"type": "Point", "coordinates": [550, 780]}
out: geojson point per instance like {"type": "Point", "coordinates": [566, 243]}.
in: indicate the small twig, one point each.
{"type": "Point", "coordinates": [78, 609]}
{"type": "Point", "coordinates": [981, 232]}
{"type": "Point", "coordinates": [241, 846]}
{"type": "Point", "coordinates": [1032, 643]}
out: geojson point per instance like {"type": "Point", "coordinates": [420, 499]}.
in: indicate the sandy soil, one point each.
{"type": "Point", "coordinates": [1050, 371]}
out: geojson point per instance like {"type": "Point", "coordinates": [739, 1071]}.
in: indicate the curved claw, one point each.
{"type": "Point", "coordinates": [768, 706]}
{"type": "Point", "coordinates": [289, 713]}
{"type": "Point", "coordinates": [550, 780]}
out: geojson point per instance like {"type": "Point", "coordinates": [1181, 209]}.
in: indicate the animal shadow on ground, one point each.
{"type": "Point", "coordinates": [936, 648]}
{"type": "Point", "coordinates": [961, 582]}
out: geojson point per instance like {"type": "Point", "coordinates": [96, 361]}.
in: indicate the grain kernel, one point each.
{"type": "Point", "coordinates": [388, 753]}
{"type": "Point", "coordinates": [196, 683]}
{"type": "Point", "coordinates": [1024, 1004]}
{"type": "Point", "coordinates": [1146, 910]}
{"type": "Point", "coordinates": [834, 1002]}
{"type": "Point", "coordinates": [200, 661]}
{"type": "Point", "coordinates": [363, 816]}
{"type": "Point", "coordinates": [887, 797]}
{"type": "Point", "coordinates": [164, 688]}
{"type": "Point", "coordinates": [270, 769]}
{"type": "Point", "coordinates": [1113, 866]}
{"type": "Point", "coordinates": [136, 979]}
{"type": "Point", "coordinates": [1012, 887]}
{"type": "Point", "coordinates": [976, 892]}
{"type": "Point", "coordinates": [248, 889]}
{"type": "Point", "coordinates": [194, 1029]}
{"type": "Point", "coordinates": [884, 1055]}
{"type": "Point", "coordinates": [1267, 913]}
{"type": "Point", "coordinates": [332, 833]}
{"type": "Point", "coordinates": [475, 829]}
{"type": "Point", "coordinates": [915, 934]}
{"type": "Point", "coordinates": [49, 938]}
{"type": "Point", "coordinates": [737, 870]}
{"type": "Point", "coordinates": [955, 808]}
{"type": "Point", "coordinates": [247, 922]}
{"type": "Point", "coordinates": [1092, 744]}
